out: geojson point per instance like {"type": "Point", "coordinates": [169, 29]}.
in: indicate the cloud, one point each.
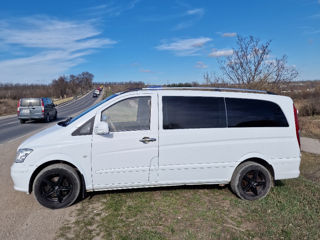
{"type": "Point", "coordinates": [111, 9]}
{"type": "Point", "coordinates": [191, 17]}
{"type": "Point", "coordinates": [196, 11]}
{"type": "Point", "coordinates": [47, 47]}
{"type": "Point", "coordinates": [185, 47]}
{"type": "Point", "coordinates": [201, 65]}
{"type": "Point", "coordinates": [231, 34]}
{"type": "Point", "coordinates": [146, 70]}
{"type": "Point", "coordinates": [40, 68]}
{"type": "Point", "coordinates": [221, 53]}
{"type": "Point", "coordinates": [186, 18]}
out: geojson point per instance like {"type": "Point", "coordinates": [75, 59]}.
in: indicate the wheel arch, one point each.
{"type": "Point", "coordinates": [46, 164]}
{"type": "Point", "coordinates": [260, 161]}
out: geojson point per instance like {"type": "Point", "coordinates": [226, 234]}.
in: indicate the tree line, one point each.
{"type": "Point", "coordinates": [63, 86]}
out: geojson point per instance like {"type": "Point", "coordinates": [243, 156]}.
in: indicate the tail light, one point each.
{"type": "Point", "coordinates": [18, 107]}
{"type": "Point", "coordinates": [297, 124]}
{"type": "Point", "coordinates": [42, 106]}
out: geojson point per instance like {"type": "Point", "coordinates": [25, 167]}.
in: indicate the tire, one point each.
{"type": "Point", "coordinates": [57, 186]}
{"type": "Point", "coordinates": [55, 116]}
{"type": "Point", "coordinates": [22, 121]}
{"type": "Point", "coordinates": [251, 181]}
{"type": "Point", "coordinates": [47, 118]}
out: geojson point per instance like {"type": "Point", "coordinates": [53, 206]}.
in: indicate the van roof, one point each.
{"type": "Point", "coordinates": [202, 89]}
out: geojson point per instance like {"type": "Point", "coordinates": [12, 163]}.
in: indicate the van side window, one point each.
{"type": "Point", "coordinates": [131, 114]}
{"type": "Point", "coordinates": [193, 112]}
{"type": "Point", "coordinates": [84, 129]}
{"type": "Point", "coordinates": [254, 113]}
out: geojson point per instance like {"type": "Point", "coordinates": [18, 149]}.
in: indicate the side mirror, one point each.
{"type": "Point", "coordinates": [102, 128]}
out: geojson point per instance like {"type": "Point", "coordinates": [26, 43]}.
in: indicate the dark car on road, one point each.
{"type": "Point", "coordinates": [36, 109]}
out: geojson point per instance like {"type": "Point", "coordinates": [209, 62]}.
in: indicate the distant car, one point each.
{"type": "Point", "coordinates": [96, 93]}
{"type": "Point", "coordinates": [36, 109]}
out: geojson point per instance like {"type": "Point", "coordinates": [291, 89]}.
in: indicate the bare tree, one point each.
{"type": "Point", "coordinates": [251, 65]}
{"type": "Point", "coordinates": [60, 86]}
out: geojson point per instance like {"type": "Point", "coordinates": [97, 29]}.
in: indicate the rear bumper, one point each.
{"type": "Point", "coordinates": [30, 117]}
{"type": "Point", "coordinates": [287, 168]}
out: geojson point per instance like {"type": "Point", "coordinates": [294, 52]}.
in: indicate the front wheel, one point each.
{"type": "Point", "coordinates": [56, 186]}
{"type": "Point", "coordinates": [251, 181]}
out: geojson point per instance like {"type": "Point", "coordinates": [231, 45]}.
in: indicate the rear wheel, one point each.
{"type": "Point", "coordinates": [56, 186]}
{"type": "Point", "coordinates": [22, 121]}
{"type": "Point", "coordinates": [55, 116]}
{"type": "Point", "coordinates": [251, 181]}
{"type": "Point", "coordinates": [47, 118]}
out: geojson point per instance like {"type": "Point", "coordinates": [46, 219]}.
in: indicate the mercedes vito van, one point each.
{"type": "Point", "coordinates": [164, 137]}
{"type": "Point", "coordinates": [36, 109]}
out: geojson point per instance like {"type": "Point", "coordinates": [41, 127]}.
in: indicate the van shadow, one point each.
{"type": "Point", "coordinates": [279, 183]}
{"type": "Point", "coordinates": [90, 195]}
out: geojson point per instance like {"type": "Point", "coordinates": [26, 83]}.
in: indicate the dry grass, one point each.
{"type": "Point", "coordinates": [62, 100]}
{"type": "Point", "coordinates": [310, 126]}
{"type": "Point", "coordinates": [8, 106]}
{"type": "Point", "coordinates": [310, 167]}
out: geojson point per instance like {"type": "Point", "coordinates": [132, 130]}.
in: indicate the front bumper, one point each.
{"type": "Point", "coordinates": [20, 175]}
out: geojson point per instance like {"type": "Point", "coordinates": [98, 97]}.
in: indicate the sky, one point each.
{"type": "Point", "coordinates": [154, 41]}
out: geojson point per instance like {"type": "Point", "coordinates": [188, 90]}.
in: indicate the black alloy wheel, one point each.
{"type": "Point", "coordinates": [57, 186]}
{"type": "Point", "coordinates": [251, 181]}
{"type": "Point", "coordinates": [47, 118]}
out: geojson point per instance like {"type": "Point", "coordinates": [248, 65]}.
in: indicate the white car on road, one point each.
{"type": "Point", "coordinates": [164, 137]}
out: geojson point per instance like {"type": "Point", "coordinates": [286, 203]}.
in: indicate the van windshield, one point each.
{"type": "Point", "coordinates": [30, 102]}
{"type": "Point", "coordinates": [71, 120]}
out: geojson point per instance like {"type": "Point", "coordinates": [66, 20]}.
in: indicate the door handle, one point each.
{"type": "Point", "coordinates": [147, 140]}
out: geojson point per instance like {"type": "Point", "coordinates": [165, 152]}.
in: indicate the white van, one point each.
{"type": "Point", "coordinates": [164, 137]}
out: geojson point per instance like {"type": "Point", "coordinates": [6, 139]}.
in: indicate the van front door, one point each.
{"type": "Point", "coordinates": [128, 155]}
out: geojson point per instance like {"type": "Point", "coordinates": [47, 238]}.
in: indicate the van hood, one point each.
{"type": "Point", "coordinates": [41, 138]}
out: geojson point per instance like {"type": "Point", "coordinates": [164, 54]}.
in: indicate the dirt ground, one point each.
{"type": "Point", "coordinates": [21, 217]}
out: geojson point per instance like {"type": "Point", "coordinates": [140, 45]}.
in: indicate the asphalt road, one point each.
{"type": "Point", "coordinates": [10, 128]}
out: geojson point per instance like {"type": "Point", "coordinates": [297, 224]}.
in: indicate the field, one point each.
{"type": "Point", "coordinates": [290, 211]}
{"type": "Point", "coordinates": [8, 106]}
{"type": "Point", "coordinates": [310, 126]}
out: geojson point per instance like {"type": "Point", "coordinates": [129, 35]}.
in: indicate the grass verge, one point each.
{"type": "Point", "coordinates": [310, 126]}
{"type": "Point", "coordinates": [290, 211]}
{"type": "Point", "coordinates": [62, 100]}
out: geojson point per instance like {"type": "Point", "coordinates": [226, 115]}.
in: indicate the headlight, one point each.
{"type": "Point", "coordinates": [22, 154]}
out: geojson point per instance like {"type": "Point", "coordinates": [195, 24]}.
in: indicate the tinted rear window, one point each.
{"type": "Point", "coordinates": [254, 113]}
{"type": "Point", "coordinates": [25, 102]}
{"type": "Point", "coordinates": [193, 112]}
